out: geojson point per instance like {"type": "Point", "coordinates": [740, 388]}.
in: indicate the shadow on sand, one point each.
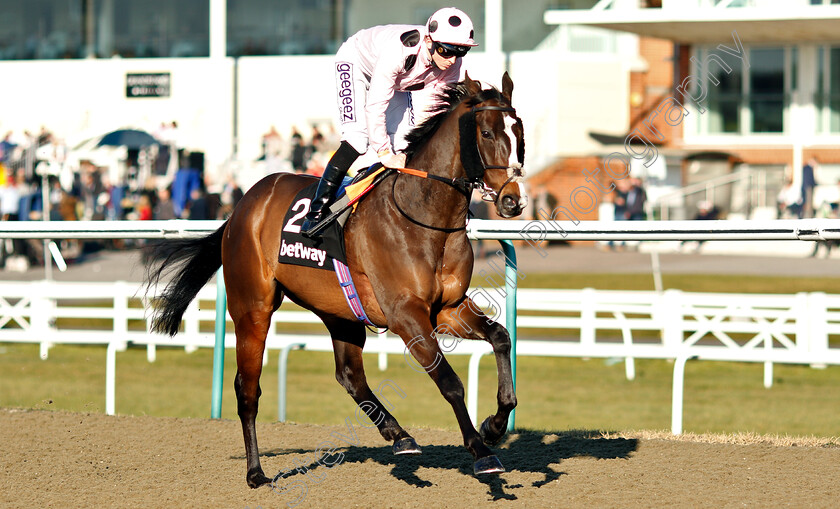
{"type": "Point", "coordinates": [522, 451]}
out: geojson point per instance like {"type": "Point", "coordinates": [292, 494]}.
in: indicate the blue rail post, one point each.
{"type": "Point", "coordinates": [510, 313]}
{"type": "Point", "coordinates": [219, 349]}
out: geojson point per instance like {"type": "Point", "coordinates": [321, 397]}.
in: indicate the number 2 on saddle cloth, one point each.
{"type": "Point", "coordinates": [327, 250]}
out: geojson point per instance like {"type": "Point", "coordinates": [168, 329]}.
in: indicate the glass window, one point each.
{"type": "Point", "coordinates": [751, 100]}
{"type": "Point", "coordinates": [767, 89]}
{"type": "Point", "coordinates": [827, 96]}
{"type": "Point", "coordinates": [724, 101]}
{"type": "Point", "coordinates": [41, 29]}
{"type": "Point", "coordinates": [284, 27]}
{"type": "Point", "coordinates": [153, 28]}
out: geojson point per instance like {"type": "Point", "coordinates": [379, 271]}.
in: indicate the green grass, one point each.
{"type": "Point", "coordinates": [555, 394]}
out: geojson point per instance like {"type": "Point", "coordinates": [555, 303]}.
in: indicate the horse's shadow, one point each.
{"type": "Point", "coordinates": [523, 451]}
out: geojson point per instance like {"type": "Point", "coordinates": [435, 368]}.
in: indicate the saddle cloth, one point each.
{"type": "Point", "coordinates": [326, 251]}
{"type": "Point", "coordinates": [319, 253]}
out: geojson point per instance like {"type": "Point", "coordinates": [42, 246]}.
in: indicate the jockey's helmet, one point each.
{"type": "Point", "coordinates": [451, 26]}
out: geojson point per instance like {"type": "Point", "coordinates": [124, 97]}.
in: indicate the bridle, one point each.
{"type": "Point", "coordinates": [473, 162]}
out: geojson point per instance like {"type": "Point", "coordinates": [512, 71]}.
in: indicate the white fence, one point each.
{"type": "Point", "coordinates": [570, 323]}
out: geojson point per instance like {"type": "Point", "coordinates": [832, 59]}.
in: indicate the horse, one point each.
{"type": "Point", "coordinates": [408, 253]}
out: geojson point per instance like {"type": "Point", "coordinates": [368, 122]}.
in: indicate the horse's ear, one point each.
{"type": "Point", "coordinates": [473, 87]}
{"type": "Point", "coordinates": [507, 85]}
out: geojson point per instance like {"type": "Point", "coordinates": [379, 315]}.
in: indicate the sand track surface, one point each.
{"type": "Point", "coordinates": [63, 459]}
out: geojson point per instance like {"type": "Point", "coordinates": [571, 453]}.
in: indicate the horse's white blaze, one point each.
{"type": "Point", "coordinates": [513, 161]}
{"type": "Point", "coordinates": [514, 144]}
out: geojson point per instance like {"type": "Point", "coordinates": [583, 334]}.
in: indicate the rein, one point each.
{"type": "Point", "coordinates": [425, 174]}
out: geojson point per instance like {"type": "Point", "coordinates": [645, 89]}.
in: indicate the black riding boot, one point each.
{"type": "Point", "coordinates": [324, 197]}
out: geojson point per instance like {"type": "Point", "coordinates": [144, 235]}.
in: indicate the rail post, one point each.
{"type": "Point", "coordinates": [510, 313]}
{"type": "Point", "coordinates": [219, 348]}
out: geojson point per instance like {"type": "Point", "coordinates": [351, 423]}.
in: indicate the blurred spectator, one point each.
{"type": "Point", "coordinates": [198, 208]}
{"type": "Point", "coordinates": [300, 152]}
{"type": "Point", "coordinates": [318, 155]}
{"type": "Point", "coordinates": [272, 144]}
{"type": "Point", "coordinates": [93, 206]}
{"type": "Point", "coordinates": [622, 188]}
{"type": "Point", "coordinates": [7, 146]}
{"type": "Point", "coordinates": [164, 208]}
{"type": "Point", "coordinates": [636, 200]}
{"type": "Point", "coordinates": [275, 152]}
{"type": "Point", "coordinates": [231, 194]}
{"type": "Point", "coordinates": [809, 182]}
{"type": "Point", "coordinates": [144, 210]}
{"type": "Point", "coordinates": [10, 197]}
{"type": "Point", "coordinates": [789, 200]}
{"type": "Point", "coordinates": [186, 181]}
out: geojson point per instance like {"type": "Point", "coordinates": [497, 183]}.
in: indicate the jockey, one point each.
{"type": "Point", "coordinates": [376, 70]}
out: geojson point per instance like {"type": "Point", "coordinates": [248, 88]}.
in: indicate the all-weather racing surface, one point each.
{"type": "Point", "coordinates": [62, 459]}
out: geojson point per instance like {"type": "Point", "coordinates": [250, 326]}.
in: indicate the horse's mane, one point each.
{"type": "Point", "coordinates": [445, 102]}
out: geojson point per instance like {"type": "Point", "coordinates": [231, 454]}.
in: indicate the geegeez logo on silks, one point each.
{"type": "Point", "coordinates": [298, 250]}
{"type": "Point", "coordinates": [346, 99]}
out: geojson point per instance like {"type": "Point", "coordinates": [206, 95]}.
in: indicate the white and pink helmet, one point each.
{"type": "Point", "coordinates": [451, 26]}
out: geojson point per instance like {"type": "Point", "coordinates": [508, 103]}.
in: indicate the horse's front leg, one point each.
{"type": "Point", "coordinates": [467, 321]}
{"type": "Point", "coordinates": [415, 328]}
{"type": "Point", "coordinates": [348, 341]}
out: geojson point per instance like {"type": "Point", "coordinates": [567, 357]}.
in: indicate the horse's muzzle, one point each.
{"type": "Point", "coordinates": [509, 206]}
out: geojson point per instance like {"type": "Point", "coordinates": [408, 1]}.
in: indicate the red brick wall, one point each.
{"type": "Point", "coordinates": [649, 88]}
{"type": "Point", "coordinates": [567, 175]}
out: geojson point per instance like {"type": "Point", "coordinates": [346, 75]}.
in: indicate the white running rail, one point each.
{"type": "Point", "coordinates": [563, 323]}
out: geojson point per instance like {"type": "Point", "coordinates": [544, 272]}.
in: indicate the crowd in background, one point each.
{"type": "Point", "coordinates": [298, 154]}
{"type": "Point", "coordinates": [162, 181]}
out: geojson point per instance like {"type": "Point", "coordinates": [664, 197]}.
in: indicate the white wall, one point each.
{"type": "Point", "coordinates": [560, 99]}
{"type": "Point", "coordinates": [77, 99]}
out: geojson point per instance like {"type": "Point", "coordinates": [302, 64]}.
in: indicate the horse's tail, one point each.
{"type": "Point", "coordinates": [191, 263]}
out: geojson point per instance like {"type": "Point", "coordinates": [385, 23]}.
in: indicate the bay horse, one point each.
{"type": "Point", "coordinates": [408, 254]}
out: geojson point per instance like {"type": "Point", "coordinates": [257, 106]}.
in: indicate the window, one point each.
{"type": "Point", "coordinates": [41, 29]}
{"type": "Point", "coordinates": [724, 99]}
{"type": "Point", "coordinates": [153, 28]}
{"type": "Point", "coordinates": [284, 27]}
{"type": "Point", "coordinates": [827, 97]}
{"type": "Point", "coordinates": [767, 90]}
{"type": "Point", "coordinates": [746, 101]}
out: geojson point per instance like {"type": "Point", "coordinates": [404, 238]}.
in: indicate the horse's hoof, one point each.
{"type": "Point", "coordinates": [256, 478]}
{"type": "Point", "coordinates": [406, 446]}
{"type": "Point", "coordinates": [487, 436]}
{"type": "Point", "coordinates": [488, 465]}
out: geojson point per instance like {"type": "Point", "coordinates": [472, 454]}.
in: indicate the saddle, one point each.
{"type": "Point", "coordinates": [327, 251]}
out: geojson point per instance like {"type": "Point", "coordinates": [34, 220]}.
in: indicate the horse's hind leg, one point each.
{"type": "Point", "coordinates": [467, 321]}
{"type": "Point", "coordinates": [415, 328]}
{"type": "Point", "coordinates": [251, 306]}
{"type": "Point", "coordinates": [348, 339]}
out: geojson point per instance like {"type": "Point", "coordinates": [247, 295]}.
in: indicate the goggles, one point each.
{"type": "Point", "coordinates": [450, 50]}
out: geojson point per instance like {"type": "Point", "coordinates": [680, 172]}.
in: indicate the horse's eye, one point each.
{"type": "Point", "coordinates": [486, 134]}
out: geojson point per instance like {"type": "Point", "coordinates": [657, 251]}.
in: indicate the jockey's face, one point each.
{"type": "Point", "coordinates": [441, 62]}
